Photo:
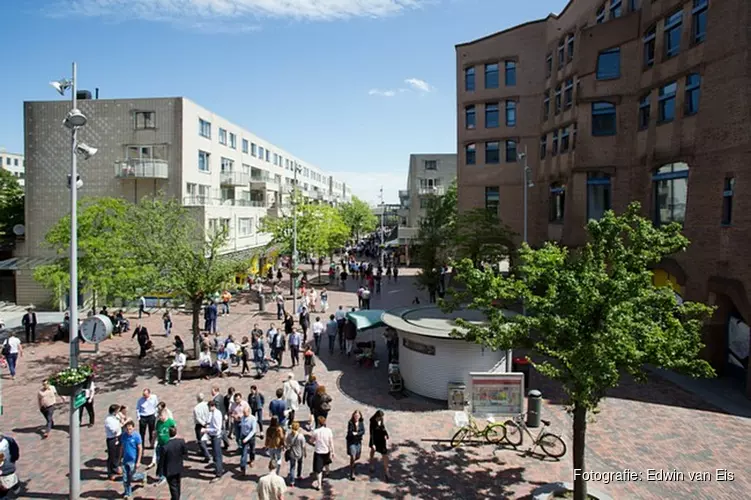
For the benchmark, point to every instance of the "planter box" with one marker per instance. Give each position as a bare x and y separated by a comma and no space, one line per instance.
69,390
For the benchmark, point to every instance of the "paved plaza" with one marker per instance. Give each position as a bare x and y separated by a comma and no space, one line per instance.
657,425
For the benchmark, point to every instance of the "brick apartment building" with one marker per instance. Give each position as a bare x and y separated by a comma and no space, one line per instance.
615,101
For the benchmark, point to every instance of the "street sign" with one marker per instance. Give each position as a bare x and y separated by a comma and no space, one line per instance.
79,400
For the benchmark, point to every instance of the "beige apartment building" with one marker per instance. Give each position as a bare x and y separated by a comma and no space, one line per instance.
229,176
615,101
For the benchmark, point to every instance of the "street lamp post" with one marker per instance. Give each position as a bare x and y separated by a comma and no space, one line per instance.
293,275
526,184
383,212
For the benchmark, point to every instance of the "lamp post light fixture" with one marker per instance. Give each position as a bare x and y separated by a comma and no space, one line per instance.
526,184
293,276
74,120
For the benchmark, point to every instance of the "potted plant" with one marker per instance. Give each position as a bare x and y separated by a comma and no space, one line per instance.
69,381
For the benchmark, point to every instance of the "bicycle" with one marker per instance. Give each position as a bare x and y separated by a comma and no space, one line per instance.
552,445
493,432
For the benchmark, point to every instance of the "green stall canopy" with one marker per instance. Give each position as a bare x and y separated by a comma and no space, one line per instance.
366,319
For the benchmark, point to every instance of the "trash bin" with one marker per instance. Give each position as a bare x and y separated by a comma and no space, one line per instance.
261,302
534,408
521,365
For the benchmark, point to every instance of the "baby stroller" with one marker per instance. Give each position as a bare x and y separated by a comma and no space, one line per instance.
396,382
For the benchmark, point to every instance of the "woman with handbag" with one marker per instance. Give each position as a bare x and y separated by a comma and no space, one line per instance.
275,442
47,398
295,452
355,432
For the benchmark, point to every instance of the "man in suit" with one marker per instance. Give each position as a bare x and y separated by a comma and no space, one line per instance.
29,322
171,462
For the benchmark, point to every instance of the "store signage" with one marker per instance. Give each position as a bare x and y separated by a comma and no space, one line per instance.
418,347
497,393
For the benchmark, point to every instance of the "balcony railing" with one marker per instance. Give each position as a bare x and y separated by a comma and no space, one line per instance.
232,178
141,169
264,182
436,190
200,201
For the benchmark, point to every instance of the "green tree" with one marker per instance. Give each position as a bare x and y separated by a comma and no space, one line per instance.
435,236
11,203
480,236
592,314
358,216
107,264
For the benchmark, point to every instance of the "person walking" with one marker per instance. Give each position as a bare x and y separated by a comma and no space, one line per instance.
167,319
236,413
10,453
323,455
12,350
226,297
47,399
295,452
292,396
332,327
256,402
271,486
378,443
350,335
246,432
171,464
142,307
29,322
279,306
355,433
211,316
112,432
201,415
324,300
278,407
214,432
321,403
144,340
309,392
304,321
245,348
396,274
318,328
341,319
88,404
131,452
309,361
274,442
146,410
295,340
365,298
164,424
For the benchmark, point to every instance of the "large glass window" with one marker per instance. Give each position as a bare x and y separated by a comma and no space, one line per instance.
492,198
666,100
693,89
670,193
727,201
491,76
649,47
603,119
470,154
469,117
491,115
644,105
510,113
598,195
557,203
699,20
609,64
510,151
672,29
510,68
469,78
492,152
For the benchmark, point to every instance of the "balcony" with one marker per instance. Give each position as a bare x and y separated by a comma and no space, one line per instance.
428,190
208,201
141,169
264,183
234,178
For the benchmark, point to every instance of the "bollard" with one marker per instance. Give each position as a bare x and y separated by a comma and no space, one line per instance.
261,302
534,408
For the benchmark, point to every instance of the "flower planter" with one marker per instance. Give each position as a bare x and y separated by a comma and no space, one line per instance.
69,390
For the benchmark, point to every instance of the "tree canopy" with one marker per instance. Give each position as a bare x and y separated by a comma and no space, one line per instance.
480,236
11,203
435,235
591,314
358,217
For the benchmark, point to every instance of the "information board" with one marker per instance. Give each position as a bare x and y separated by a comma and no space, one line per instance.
497,393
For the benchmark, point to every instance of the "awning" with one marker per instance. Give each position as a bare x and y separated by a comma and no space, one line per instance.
17,263
366,319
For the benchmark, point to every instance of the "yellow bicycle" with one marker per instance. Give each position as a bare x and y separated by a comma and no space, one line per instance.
493,432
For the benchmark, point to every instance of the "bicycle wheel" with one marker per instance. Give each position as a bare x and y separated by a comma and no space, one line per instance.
552,445
459,437
495,433
514,434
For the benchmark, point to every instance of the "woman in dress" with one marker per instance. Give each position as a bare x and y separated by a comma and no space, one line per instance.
379,437
355,432
323,440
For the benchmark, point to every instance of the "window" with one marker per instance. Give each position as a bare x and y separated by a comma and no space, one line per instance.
15,162
601,14
470,154
491,115
469,79
603,119
260,152
244,226
672,29
491,76
557,203
203,161
644,105
558,99
649,47
510,113
145,119
633,5
543,146
492,154
204,128
554,149
222,136
616,9
598,195
510,151
546,105
548,65
492,199
564,140
568,93
609,64
727,200
469,117
510,73
561,52
693,89
227,165
699,21
232,140
666,103
670,193
268,155
570,47
431,164
246,146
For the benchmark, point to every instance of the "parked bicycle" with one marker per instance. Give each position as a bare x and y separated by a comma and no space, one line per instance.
493,432
552,445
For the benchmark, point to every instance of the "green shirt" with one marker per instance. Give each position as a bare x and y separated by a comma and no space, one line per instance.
162,430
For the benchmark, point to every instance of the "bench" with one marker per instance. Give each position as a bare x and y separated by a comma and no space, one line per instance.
191,371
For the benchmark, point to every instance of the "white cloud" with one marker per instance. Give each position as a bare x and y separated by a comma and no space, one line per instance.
382,93
366,185
178,11
419,85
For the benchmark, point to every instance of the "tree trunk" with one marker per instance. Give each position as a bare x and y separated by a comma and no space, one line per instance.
197,302
580,433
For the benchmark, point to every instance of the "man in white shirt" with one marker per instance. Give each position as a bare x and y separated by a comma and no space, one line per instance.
318,328
271,486
178,364
214,430
365,298
231,349
200,421
14,350
146,414
112,431
292,396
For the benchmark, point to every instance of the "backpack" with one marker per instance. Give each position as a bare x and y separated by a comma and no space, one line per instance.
6,348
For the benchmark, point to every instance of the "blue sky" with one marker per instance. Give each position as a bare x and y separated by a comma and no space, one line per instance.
352,86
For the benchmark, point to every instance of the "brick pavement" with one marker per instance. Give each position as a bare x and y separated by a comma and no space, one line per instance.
656,425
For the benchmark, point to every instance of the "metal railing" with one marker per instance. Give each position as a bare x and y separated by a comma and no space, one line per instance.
436,190
201,201
233,178
142,169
